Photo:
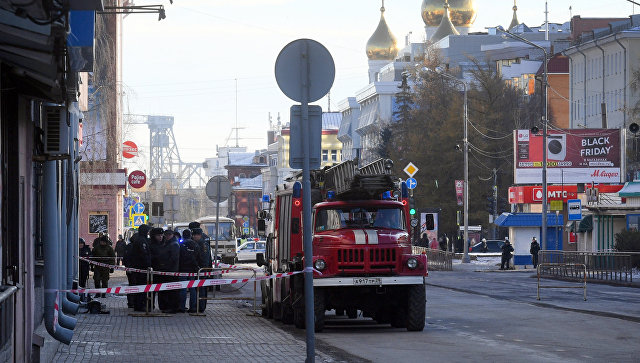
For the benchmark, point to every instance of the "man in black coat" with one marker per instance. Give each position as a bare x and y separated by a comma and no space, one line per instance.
190,261
83,272
506,253
205,259
535,248
138,255
167,258
121,245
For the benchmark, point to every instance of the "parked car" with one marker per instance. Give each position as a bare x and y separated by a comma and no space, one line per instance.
248,250
493,245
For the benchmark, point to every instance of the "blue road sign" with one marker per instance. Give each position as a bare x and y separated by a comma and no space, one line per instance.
574,206
138,220
412,183
138,208
245,224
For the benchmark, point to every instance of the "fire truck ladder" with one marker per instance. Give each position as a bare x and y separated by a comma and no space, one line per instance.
351,182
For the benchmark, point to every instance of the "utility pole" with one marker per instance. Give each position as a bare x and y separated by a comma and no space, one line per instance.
495,201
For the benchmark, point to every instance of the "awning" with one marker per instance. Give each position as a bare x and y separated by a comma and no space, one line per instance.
586,224
528,220
630,189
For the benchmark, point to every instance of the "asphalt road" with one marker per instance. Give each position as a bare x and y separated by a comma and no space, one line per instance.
493,316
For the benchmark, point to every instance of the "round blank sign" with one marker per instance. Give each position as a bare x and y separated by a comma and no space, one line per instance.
290,66
212,188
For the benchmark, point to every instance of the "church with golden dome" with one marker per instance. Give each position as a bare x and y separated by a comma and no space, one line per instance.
447,27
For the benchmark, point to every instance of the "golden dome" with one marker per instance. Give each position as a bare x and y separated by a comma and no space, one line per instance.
461,12
382,44
445,28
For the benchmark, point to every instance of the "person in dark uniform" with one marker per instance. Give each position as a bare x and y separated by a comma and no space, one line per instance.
169,261
155,247
190,261
506,253
205,260
83,271
121,245
138,256
535,248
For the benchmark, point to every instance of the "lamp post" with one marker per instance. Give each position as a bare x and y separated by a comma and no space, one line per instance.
465,141
544,131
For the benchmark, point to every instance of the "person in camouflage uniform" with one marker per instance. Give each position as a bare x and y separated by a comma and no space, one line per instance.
104,254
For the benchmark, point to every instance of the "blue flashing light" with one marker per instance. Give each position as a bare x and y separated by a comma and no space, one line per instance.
266,198
297,189
405,190
331,194
386,195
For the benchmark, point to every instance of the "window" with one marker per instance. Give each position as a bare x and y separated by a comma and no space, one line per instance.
334,155
325,155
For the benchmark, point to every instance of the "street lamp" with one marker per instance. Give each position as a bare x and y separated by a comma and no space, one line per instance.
465,140
545,120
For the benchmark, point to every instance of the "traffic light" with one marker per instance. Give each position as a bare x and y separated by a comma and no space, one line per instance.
490,204
412,206
503,205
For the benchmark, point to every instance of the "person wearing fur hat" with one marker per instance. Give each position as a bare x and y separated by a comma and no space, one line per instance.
205,258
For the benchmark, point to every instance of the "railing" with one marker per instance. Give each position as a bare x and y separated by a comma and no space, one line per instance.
437,260
6,321
606,266
574,267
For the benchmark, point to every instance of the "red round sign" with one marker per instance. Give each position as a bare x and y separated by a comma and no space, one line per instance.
129,149
137,179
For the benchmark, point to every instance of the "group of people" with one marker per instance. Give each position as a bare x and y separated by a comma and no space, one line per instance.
507,249
156,249
167,251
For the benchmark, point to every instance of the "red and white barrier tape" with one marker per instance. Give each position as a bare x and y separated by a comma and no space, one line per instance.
176,285
56,307
229,268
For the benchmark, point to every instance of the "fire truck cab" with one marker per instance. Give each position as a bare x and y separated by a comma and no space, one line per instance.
361,249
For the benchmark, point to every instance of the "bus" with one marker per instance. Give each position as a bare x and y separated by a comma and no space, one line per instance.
226,233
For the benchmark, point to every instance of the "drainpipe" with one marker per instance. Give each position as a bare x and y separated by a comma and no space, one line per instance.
603,106
624,90
72,238
51,257
67,306
73,298
584,85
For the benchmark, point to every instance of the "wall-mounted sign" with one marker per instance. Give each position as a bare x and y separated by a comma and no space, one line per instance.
98,222
129,149
574,207
533,194
137,179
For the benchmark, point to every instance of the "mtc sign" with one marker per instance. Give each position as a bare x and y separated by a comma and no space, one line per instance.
533,194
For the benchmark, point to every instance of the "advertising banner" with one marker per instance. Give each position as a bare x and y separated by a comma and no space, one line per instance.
431,233
573,156
459,191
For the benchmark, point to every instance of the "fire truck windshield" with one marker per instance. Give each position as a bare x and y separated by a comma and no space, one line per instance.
359,217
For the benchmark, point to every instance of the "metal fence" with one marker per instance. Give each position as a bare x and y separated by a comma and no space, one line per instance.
437,260
604,266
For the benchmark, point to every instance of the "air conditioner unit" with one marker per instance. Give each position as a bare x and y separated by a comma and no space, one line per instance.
56,131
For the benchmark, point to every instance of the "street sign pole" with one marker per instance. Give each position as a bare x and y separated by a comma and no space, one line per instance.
306,206
215,254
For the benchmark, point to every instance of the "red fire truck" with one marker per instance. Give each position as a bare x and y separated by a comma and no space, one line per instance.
361,246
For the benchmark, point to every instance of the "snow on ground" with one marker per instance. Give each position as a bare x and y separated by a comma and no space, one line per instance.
635,274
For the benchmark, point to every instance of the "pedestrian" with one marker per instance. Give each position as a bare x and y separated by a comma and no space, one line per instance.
83,270
137,255
205,260
168,260
155,249
434,244
485,248
105,254
442,243
190,261
120,247
535,248
96,241
506,253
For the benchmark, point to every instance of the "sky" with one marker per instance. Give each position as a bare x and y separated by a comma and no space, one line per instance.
208,56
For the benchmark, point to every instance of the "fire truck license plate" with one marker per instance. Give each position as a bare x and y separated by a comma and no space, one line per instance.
367,281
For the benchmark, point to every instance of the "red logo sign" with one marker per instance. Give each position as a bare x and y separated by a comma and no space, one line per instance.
129,149
137,179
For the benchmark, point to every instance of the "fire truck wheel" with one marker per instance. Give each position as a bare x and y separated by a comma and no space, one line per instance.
352,313
416,308
298,317
318,309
